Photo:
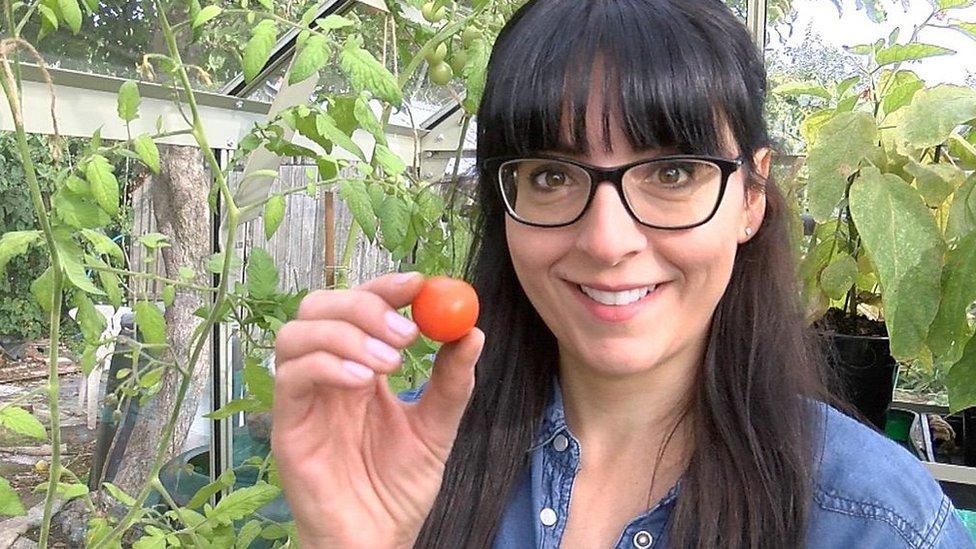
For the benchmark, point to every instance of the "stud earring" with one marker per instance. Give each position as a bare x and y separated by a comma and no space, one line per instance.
748,231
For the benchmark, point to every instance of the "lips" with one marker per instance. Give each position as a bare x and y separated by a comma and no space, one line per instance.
615,313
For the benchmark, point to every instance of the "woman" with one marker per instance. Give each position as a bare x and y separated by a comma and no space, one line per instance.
645,380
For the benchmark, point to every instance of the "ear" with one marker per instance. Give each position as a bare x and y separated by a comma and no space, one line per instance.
754,203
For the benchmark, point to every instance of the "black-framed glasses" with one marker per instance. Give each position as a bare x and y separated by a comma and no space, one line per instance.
668,192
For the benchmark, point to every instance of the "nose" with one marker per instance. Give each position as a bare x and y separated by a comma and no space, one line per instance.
607,231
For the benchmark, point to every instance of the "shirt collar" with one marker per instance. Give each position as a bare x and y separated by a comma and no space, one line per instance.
553,417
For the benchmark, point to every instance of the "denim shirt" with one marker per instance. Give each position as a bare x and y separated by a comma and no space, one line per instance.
869,493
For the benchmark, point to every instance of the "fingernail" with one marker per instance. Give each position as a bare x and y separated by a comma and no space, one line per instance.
400,324
357,370
382,351
403,278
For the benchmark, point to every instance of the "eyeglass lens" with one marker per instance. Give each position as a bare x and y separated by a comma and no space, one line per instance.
666,193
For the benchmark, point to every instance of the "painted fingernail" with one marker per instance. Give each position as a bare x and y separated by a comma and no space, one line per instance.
357,370
382,351
403,278
400,324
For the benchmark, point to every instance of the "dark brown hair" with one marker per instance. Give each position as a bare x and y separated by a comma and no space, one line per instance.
680,71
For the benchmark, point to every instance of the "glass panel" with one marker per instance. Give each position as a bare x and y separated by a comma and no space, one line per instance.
811,42
113,43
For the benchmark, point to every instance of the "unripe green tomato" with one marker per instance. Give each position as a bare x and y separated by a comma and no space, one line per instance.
459,60
437,55
469,36
432,13
440,74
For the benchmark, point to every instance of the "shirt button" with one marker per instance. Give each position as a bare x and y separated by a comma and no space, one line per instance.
548,517
642,540
560,443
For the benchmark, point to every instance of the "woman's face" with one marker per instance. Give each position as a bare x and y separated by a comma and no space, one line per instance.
689,269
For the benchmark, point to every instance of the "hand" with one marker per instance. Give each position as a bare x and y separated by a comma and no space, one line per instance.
359,467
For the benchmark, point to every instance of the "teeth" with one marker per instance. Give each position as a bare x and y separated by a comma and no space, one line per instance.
617,298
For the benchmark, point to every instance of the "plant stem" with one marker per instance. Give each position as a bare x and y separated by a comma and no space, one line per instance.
342,276
233,216
179,511
54,332
150,276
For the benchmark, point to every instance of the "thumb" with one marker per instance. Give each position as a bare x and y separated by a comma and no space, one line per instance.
449,390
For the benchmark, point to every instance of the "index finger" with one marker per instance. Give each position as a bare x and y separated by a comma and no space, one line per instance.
396,289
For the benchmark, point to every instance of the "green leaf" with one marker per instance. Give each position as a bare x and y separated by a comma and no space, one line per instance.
48,16
15,243
128,101
838,277
367,119
104,186
215,263
244,502
906,247
109,281
841,144
103,244
41,288
71,255
950,4
333,22
152,377
390,162
147,152
206,14
365,72
259,382
965,27
70,14
118,494
10,504
909,52
356,197
169,294
236,407
20,421
961,381
474,73
91,322
900,87
934,113
793,89
247,534
65,490
310,59
150,321
258,48
274,214
394,218
950,329
935,182
77,210
326,126
962,211
153,241
261,275
225,480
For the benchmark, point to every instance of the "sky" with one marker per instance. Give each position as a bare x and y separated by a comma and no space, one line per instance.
854,27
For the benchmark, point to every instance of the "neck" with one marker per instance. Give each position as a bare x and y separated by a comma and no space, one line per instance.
615,416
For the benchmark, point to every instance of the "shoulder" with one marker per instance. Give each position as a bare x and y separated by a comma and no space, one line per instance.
871,491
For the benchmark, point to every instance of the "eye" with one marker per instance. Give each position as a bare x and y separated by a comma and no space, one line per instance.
550,177
672,175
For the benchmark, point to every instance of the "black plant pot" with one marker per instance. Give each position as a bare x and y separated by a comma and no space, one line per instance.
865,371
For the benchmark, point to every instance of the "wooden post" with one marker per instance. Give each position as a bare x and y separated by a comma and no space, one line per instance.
328,239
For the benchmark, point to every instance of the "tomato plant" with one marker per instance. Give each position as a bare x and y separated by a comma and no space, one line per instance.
445,308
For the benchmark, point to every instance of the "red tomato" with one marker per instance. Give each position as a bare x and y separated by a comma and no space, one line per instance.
445,309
